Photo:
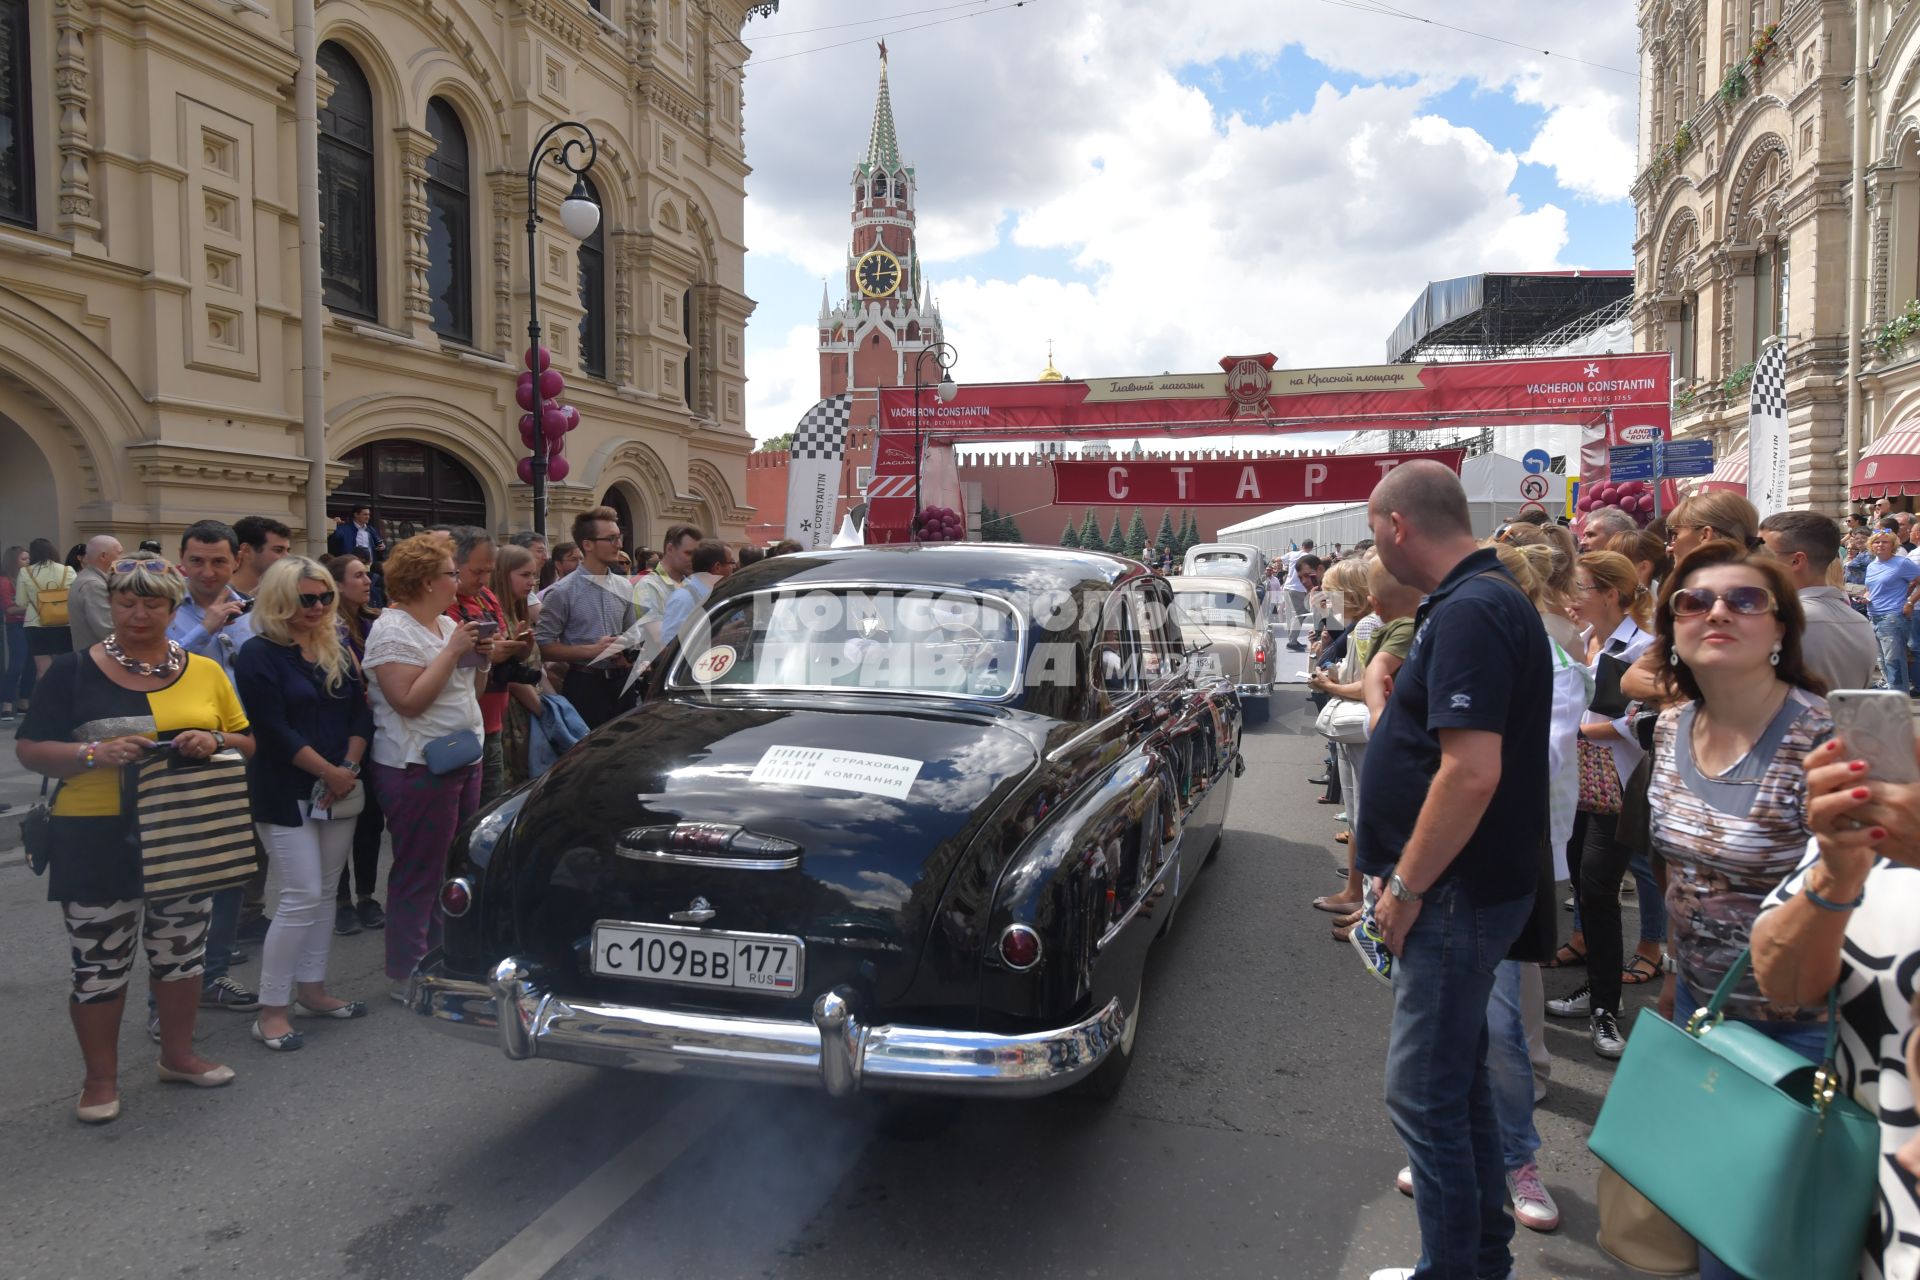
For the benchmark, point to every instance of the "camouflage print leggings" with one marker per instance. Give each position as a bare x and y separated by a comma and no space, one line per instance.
103,933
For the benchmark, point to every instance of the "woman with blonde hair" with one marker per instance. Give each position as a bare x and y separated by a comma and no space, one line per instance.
1712,515
1551,553
1345,584
310,712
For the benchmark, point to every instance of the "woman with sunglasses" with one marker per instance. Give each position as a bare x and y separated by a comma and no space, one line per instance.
96,713
310,711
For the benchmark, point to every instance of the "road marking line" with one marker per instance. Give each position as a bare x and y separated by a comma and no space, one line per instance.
578,1214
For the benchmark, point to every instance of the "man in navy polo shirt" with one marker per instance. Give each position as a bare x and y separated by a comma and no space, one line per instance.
1456,780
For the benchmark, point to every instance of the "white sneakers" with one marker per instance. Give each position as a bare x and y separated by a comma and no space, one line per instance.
1533,1206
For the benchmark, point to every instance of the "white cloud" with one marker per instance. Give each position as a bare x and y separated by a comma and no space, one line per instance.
1192,233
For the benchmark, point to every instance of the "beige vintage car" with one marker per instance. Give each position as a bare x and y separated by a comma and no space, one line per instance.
1222,617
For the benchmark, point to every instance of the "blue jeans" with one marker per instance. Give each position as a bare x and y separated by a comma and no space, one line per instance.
1892,632
220,934
1510,1068
1808,1039
1439,1090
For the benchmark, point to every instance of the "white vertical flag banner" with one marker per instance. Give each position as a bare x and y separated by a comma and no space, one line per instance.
1767,460
813,471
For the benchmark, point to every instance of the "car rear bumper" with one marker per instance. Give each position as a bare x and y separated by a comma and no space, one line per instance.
832,1049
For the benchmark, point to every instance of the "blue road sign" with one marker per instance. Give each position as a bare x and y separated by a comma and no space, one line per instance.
1632,462
1631,471
1693,466
1689,450
1536,461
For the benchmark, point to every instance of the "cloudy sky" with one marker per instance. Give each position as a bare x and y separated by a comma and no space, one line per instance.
1154,184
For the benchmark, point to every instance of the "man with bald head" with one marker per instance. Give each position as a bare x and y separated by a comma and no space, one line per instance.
89,613
1453,829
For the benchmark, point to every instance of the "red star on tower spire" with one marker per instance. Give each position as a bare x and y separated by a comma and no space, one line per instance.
883,51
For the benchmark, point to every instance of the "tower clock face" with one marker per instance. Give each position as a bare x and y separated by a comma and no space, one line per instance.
878,274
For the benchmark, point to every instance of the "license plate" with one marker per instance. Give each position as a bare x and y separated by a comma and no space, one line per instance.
763,962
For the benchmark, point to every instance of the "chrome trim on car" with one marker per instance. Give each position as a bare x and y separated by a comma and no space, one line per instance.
833,1048
1071,747
706,859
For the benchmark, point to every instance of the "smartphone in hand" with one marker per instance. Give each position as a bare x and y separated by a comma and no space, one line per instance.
476,657
1877,726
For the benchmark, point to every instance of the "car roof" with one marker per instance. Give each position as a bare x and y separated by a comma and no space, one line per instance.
984,566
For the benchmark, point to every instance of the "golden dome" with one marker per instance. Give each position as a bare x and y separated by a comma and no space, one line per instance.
1051,374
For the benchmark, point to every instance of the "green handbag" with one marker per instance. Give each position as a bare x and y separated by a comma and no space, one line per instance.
1743,1142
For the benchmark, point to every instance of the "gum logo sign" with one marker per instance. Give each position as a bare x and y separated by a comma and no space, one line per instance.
873,775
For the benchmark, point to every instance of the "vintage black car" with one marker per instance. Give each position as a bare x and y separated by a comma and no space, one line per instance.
890,818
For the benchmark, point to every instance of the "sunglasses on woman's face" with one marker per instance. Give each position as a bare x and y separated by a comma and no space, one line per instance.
151,566
1691,602
314,600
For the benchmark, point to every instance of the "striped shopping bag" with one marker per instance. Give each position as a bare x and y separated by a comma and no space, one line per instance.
193,822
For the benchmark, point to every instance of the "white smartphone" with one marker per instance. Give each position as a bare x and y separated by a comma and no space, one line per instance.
1877,726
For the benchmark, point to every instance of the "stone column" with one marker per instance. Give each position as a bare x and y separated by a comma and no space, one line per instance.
416,304
71,91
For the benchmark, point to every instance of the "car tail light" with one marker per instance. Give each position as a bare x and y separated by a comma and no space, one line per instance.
456,897
1019,947
1260,657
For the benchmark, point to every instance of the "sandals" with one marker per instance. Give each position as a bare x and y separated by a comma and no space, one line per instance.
1639,971
1567,957
1329,903
1343,837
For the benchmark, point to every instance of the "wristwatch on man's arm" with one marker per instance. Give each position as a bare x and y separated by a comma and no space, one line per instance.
1398,888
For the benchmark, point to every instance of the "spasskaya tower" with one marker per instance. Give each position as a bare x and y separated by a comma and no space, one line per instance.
887,315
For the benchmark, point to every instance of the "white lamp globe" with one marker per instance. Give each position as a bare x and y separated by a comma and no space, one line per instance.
947,390
578,213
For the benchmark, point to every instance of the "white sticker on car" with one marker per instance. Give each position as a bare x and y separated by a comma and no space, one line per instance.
713,664
869,774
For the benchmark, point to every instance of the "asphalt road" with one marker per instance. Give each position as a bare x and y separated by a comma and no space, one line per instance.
1249,1141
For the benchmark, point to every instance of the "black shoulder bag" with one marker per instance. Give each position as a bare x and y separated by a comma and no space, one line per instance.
36,832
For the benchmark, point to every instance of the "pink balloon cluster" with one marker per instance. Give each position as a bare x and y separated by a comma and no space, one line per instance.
940,524
1635,497
556,419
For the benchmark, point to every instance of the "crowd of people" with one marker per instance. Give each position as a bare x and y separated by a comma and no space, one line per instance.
1620,711
326,707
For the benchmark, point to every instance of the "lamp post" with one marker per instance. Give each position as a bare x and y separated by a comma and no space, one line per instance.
944,357
581,217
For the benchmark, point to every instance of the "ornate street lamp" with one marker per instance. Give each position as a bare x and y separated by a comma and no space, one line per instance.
945,390
581,217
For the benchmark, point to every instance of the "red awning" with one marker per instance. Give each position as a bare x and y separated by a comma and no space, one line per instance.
1730,474
1890,468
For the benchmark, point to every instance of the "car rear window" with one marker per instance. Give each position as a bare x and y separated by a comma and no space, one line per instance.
1216,608
896,641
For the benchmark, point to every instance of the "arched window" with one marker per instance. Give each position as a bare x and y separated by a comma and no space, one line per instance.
349,256
687,379
879,187
410,486
449,225
16,114
592,258
1769,295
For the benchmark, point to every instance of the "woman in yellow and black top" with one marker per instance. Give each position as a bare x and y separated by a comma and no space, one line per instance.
93,714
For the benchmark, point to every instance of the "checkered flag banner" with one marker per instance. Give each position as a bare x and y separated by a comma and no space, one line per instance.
1769,464
813,470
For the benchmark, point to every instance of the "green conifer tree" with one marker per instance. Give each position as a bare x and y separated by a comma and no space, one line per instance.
1010,530
1090,536
1166,539
1117,537
1070,536
1137,535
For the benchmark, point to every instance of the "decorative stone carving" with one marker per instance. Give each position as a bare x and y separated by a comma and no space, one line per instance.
414,146
1880,216
71,91
502,183
626,266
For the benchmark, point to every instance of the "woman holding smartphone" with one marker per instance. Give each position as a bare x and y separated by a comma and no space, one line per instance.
421,695
311,716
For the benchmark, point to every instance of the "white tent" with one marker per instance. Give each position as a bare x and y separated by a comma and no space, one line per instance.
1492,482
